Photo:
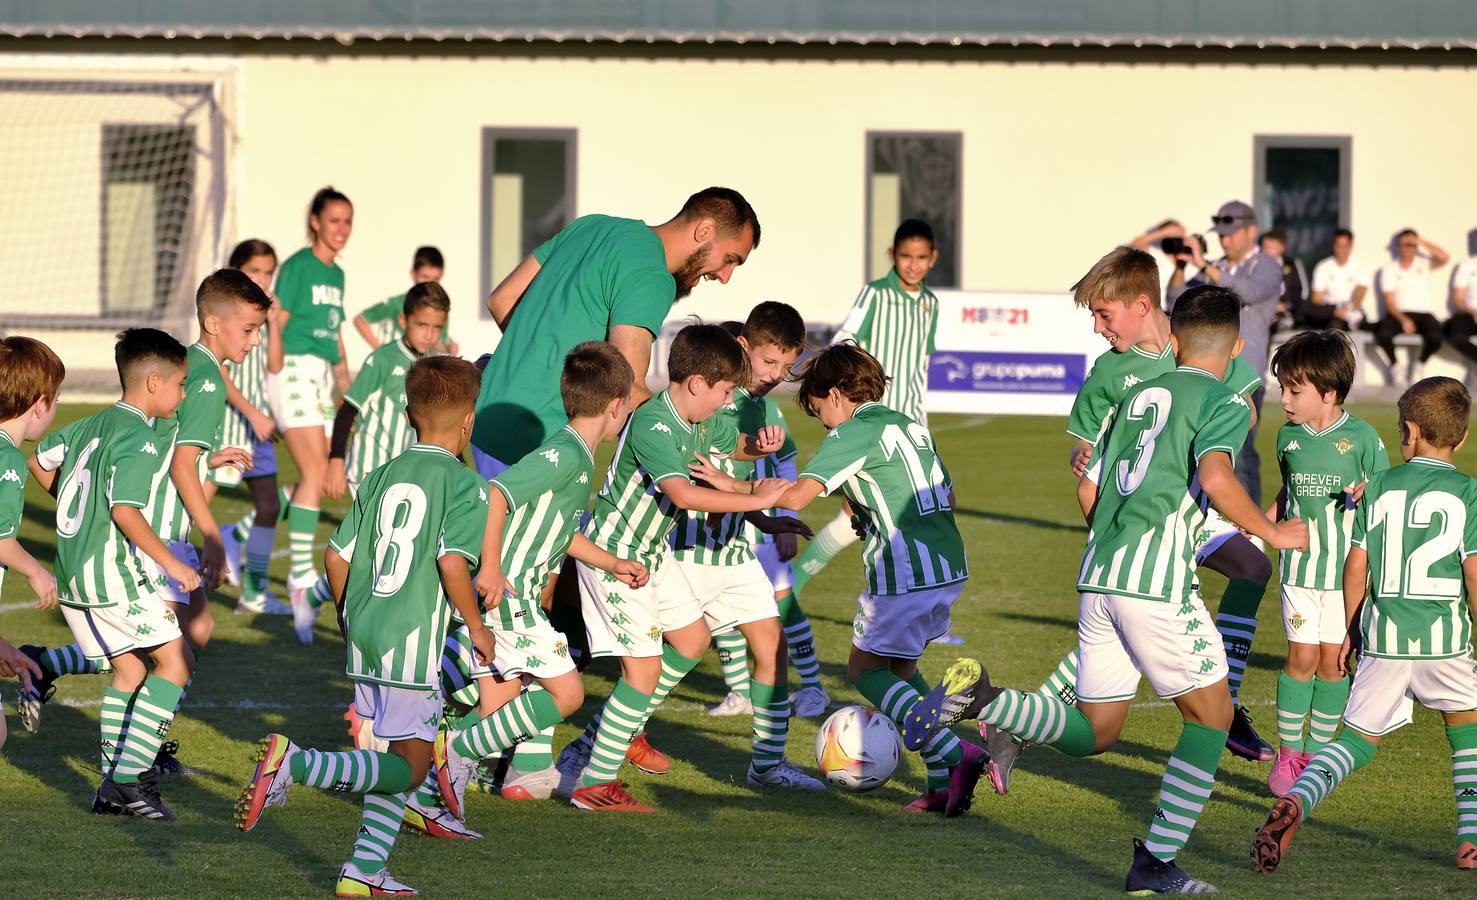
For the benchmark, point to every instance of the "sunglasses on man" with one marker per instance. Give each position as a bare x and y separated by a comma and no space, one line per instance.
1229,220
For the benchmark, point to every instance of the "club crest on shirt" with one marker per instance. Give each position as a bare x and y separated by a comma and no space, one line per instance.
1343,445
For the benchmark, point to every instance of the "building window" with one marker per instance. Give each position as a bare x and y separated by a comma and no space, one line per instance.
148,177
914,176
527,195
1302,187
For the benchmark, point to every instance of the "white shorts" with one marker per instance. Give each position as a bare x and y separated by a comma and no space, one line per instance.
1174,645
164,585
1385,691
531,646
1313,615
730,596
622,621
901,625
399,714
111,631
1213,533
781,574
301,395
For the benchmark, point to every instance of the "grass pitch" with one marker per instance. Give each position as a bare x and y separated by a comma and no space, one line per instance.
1064,830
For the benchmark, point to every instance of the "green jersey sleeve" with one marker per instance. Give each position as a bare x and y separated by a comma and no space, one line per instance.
345,536
12,492
1376,457
643,297
134,464
466,522
1092,405
933,321
289,287
201,412
858,322
723,436
385,309
656,449
543,251
528,478
1469,533
51,451
842,454
1227,421
1241,377
371,375
1358,535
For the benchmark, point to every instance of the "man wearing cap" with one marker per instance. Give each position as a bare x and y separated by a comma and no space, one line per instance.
1257,279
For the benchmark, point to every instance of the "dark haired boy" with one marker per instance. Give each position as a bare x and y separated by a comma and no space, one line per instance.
1326,457
384,322
1167,455
1410,579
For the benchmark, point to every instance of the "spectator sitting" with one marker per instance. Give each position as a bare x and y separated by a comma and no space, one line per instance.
1405,288
1461,327
1339,285
1294,279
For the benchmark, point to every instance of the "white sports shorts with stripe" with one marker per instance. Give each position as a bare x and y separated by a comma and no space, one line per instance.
901,625
399,714
781,574
112,631
730,595
623,621
1385,691
1215,531
1313,615
1174,645
524,642
301,395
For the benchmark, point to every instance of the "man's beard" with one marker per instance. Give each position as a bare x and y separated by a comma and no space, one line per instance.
691,272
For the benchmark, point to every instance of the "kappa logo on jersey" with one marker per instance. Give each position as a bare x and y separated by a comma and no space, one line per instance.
661,426
208,387
1237,400
1343,445
1130,380
10,475
552,455
584,478
1293,446
150,449
397,371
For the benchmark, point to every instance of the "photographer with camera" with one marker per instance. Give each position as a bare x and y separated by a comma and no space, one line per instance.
1162,242
1257,279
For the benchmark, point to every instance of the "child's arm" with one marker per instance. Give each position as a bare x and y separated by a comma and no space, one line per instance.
341,368
1278,509
1087,491
336,479
757,446
277,317
800,494
366,331
504,298
14,556
261,423
778,525
44,477
182,471
689,496
1218,479
1356,577
584,550
130,520
490,578
337,570
456,578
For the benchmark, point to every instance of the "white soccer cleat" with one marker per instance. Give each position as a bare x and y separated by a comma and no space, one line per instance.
809,702
785,775
537,784
304,615
571,765
453,773
735,704
438,823
263,604
234,554
354,883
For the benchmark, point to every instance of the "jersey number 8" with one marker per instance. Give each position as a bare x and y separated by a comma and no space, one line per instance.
402,512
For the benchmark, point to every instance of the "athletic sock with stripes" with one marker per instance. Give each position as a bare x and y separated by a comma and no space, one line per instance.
894,697
512,723
67,660
836,536
536,753
1236,622
1062,682
1041,719
771,723
350,771
675,667
149,719
1189,779
733,656
1463,740
379,825
1329,700
620,721
302,530
112,719
1331,765
258,553
1294,700
800,640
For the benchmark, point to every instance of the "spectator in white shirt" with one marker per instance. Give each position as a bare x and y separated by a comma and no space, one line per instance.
1405,287
1461,327
1339,285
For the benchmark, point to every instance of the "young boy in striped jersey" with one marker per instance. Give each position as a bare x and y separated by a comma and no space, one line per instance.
384,322
1411,581
374,411
102,471
889,469
715,557
1326,456
399,563
895,318
647,485
1167,454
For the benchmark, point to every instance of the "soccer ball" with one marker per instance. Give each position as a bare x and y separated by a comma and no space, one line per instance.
857,749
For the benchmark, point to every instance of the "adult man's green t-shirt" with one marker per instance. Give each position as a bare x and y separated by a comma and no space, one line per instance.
598,272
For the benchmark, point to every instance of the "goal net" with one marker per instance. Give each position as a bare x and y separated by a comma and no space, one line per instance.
114,201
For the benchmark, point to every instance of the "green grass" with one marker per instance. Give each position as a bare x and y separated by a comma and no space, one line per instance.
1065,829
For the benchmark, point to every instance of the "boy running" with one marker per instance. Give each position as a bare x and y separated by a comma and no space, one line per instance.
399,563
1166,456
1410,579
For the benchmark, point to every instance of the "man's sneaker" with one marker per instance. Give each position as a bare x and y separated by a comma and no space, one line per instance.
963,692
1152,875
141,798
1276,833
453,771
809,701
735,704
930,802
101,805
354,883
962,780
608,796
784,775
33,698
262,604
167,765
438,823
304,615
1284,771
646,757
1243,740
537,784
1466,855
571,765
1003,749
269,783
235,551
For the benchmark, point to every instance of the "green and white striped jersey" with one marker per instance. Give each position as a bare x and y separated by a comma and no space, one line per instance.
1418,523
1150,505
197,423
108,459
632,517
250,378
779,464
1316,467
546,490
886,465
723,540
899,329
384,320
381,432
1114,374
12,490
408,514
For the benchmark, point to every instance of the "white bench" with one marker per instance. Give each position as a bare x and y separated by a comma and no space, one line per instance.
1370,360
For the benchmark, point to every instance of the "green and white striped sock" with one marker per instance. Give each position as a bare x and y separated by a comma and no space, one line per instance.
620,721
350,771
112,719
1294,700
1189,779
771,723
733,656
536,753
428,795
241,528
258,553
1331,765
149,720
512,723
1062,682
379,825
67,660
1042,719
675,667
1329,700
1463,740
943,751
321,593
302,530
894,698
800,640
836,536
1235,619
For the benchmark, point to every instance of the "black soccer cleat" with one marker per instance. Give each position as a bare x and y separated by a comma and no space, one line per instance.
30,702
964,691
165,763
1152,875
102,806
1243,740
140,798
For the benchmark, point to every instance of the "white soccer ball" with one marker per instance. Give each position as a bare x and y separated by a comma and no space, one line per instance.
857,749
